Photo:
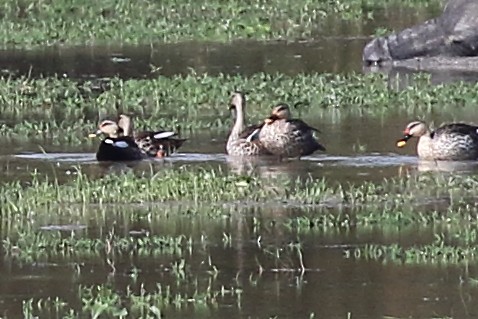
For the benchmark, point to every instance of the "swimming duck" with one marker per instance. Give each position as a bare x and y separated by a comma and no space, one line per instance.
252,132
115,147
153,143
286,137
243,141
456,141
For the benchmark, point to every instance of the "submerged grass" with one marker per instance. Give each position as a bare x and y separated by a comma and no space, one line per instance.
215,186
65,111
181,256
47,22
103,301
421,200
37,246
434,253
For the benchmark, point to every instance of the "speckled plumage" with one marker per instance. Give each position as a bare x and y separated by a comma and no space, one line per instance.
243,141
287,137
146,140
457,141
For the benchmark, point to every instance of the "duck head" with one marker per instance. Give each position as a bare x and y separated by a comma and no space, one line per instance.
279,112
107,127
413,129
238,101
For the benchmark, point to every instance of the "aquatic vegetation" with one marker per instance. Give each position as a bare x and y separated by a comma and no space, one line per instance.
44,109
29,246
426,254
166,185
101,300
73,22
135,245
215,186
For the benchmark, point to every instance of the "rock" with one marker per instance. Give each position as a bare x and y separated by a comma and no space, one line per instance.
453,34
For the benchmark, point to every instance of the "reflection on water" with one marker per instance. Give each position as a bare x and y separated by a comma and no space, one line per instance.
448,166
256,260
248,243
246,57
335,47
355,152
400,78
59,157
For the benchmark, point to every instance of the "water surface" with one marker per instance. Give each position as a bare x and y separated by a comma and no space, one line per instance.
257,261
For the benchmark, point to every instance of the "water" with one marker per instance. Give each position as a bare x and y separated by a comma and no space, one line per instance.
356,151
337,47
332,286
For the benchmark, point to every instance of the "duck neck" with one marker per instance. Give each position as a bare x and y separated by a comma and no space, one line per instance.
126,124
112,135
424,149
126,131
238,124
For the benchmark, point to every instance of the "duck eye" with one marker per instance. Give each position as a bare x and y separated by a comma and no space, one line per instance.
105,124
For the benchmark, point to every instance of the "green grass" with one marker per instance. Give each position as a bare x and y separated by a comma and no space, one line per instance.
186,215
29,23
420,200
189,184
434,253
100,301
63,111
395,201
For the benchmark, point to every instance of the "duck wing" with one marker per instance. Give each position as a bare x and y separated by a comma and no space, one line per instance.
251,133
119,149
155,135
301,125
153,141
457,128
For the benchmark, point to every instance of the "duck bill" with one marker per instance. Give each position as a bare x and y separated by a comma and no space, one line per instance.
95,134
271,119
403,141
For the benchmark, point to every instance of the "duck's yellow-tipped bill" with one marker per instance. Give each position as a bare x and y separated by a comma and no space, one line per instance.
401,143
95,134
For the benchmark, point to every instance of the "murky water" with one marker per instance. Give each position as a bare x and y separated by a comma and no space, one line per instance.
337,47
332,285
356,151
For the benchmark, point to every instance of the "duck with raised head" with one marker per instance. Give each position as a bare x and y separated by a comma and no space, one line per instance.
153,143
286,137
243,141
453,142
116,147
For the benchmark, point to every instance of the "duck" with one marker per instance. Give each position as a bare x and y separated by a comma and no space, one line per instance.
453,142
243,141
153,143
284,136
252,132
114,147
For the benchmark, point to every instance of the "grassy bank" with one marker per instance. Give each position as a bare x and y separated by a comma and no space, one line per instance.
47,108
47,22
